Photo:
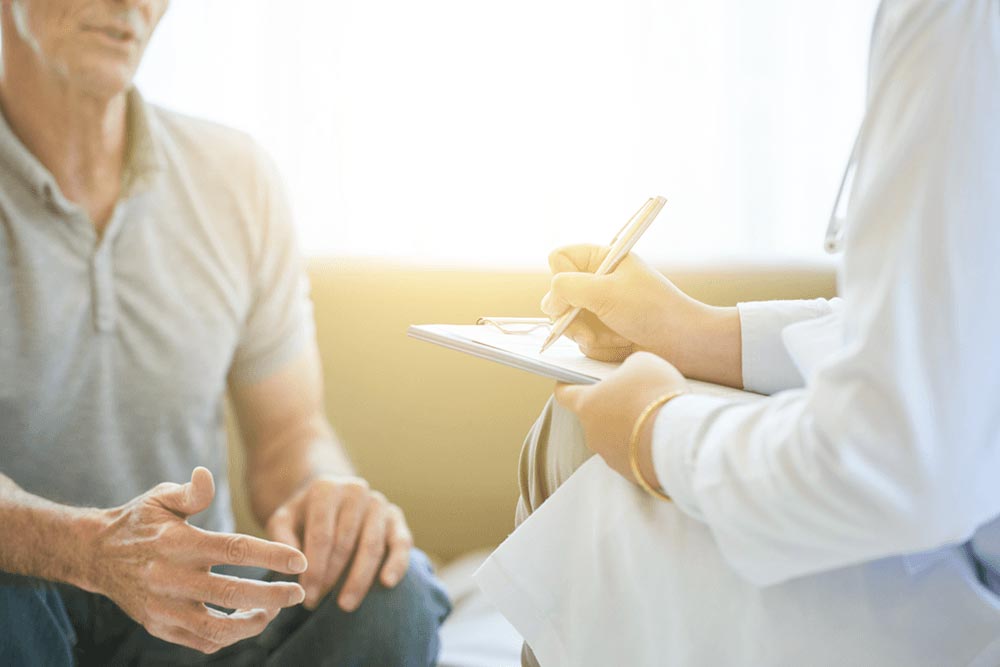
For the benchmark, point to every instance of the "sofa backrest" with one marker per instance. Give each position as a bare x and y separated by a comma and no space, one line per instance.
437,431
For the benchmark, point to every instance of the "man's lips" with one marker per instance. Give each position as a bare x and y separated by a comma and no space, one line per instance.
115,32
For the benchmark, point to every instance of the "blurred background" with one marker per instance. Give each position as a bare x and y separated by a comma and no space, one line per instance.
436,151
485,132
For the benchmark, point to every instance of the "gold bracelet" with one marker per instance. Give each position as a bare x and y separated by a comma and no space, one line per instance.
633,443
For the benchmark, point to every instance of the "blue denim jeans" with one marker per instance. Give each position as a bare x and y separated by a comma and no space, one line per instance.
46,624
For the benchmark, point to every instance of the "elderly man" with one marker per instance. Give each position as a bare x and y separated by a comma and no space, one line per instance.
147,265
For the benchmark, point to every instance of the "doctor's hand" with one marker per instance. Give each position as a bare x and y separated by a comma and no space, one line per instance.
609,409
635,308
632,308
338,521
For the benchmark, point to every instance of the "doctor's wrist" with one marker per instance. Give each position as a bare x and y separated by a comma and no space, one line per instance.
709,347
640,446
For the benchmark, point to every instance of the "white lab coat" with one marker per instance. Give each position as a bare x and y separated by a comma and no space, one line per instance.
836,521
893,445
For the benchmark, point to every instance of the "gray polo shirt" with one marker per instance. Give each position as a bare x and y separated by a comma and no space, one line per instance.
115,352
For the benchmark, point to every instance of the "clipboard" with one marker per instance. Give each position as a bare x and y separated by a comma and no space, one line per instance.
516,341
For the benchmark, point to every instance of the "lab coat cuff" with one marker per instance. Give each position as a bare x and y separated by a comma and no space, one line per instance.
675,446
767,366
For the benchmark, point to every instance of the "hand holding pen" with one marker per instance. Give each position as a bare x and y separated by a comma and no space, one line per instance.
620,247
636,308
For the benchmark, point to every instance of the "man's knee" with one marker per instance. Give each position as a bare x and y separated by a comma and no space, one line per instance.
553,449
397,626
36,629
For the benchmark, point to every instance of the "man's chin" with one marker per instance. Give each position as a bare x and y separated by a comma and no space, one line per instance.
104,82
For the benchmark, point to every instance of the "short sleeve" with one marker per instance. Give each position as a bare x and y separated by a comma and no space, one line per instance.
279,323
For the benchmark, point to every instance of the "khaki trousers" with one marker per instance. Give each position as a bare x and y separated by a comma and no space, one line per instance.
553,449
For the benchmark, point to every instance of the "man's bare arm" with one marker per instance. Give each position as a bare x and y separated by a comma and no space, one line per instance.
306,493
43,539
145,557
287,436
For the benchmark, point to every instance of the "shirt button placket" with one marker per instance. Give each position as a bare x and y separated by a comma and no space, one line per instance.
103,289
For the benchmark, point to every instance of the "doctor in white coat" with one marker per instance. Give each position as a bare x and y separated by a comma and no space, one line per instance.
851,516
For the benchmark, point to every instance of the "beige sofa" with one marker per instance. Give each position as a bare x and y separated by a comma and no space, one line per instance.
438,431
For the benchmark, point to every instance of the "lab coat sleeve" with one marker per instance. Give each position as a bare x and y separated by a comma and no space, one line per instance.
767,366
893,446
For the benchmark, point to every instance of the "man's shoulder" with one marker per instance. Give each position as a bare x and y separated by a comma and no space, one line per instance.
217,157
200,136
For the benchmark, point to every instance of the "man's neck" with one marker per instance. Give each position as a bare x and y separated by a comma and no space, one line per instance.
79,137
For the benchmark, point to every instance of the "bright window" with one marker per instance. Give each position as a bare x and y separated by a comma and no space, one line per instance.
489,132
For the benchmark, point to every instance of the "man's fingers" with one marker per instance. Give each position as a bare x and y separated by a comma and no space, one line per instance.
400,542
367,559
233,549
189,498
209,627
184,637
226,629
284,527
237,593
321,513
349,519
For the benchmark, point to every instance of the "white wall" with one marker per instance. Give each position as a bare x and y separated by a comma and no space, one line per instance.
491,131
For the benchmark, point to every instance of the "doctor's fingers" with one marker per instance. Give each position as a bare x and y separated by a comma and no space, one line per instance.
581,257
611,354
579,290
571,396
598,341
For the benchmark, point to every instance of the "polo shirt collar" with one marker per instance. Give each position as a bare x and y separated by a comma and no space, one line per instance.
144,156
21,162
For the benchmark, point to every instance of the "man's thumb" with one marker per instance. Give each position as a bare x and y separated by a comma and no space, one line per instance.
192,497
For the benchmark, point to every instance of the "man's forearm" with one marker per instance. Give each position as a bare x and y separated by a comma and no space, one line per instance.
276,470
43,539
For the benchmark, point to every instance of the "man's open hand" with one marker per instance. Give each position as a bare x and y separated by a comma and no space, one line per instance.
155,566
337,519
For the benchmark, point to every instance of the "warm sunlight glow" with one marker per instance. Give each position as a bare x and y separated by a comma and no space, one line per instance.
490,132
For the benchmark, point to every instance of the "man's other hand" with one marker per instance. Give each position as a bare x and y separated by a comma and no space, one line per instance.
156,566
338,519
